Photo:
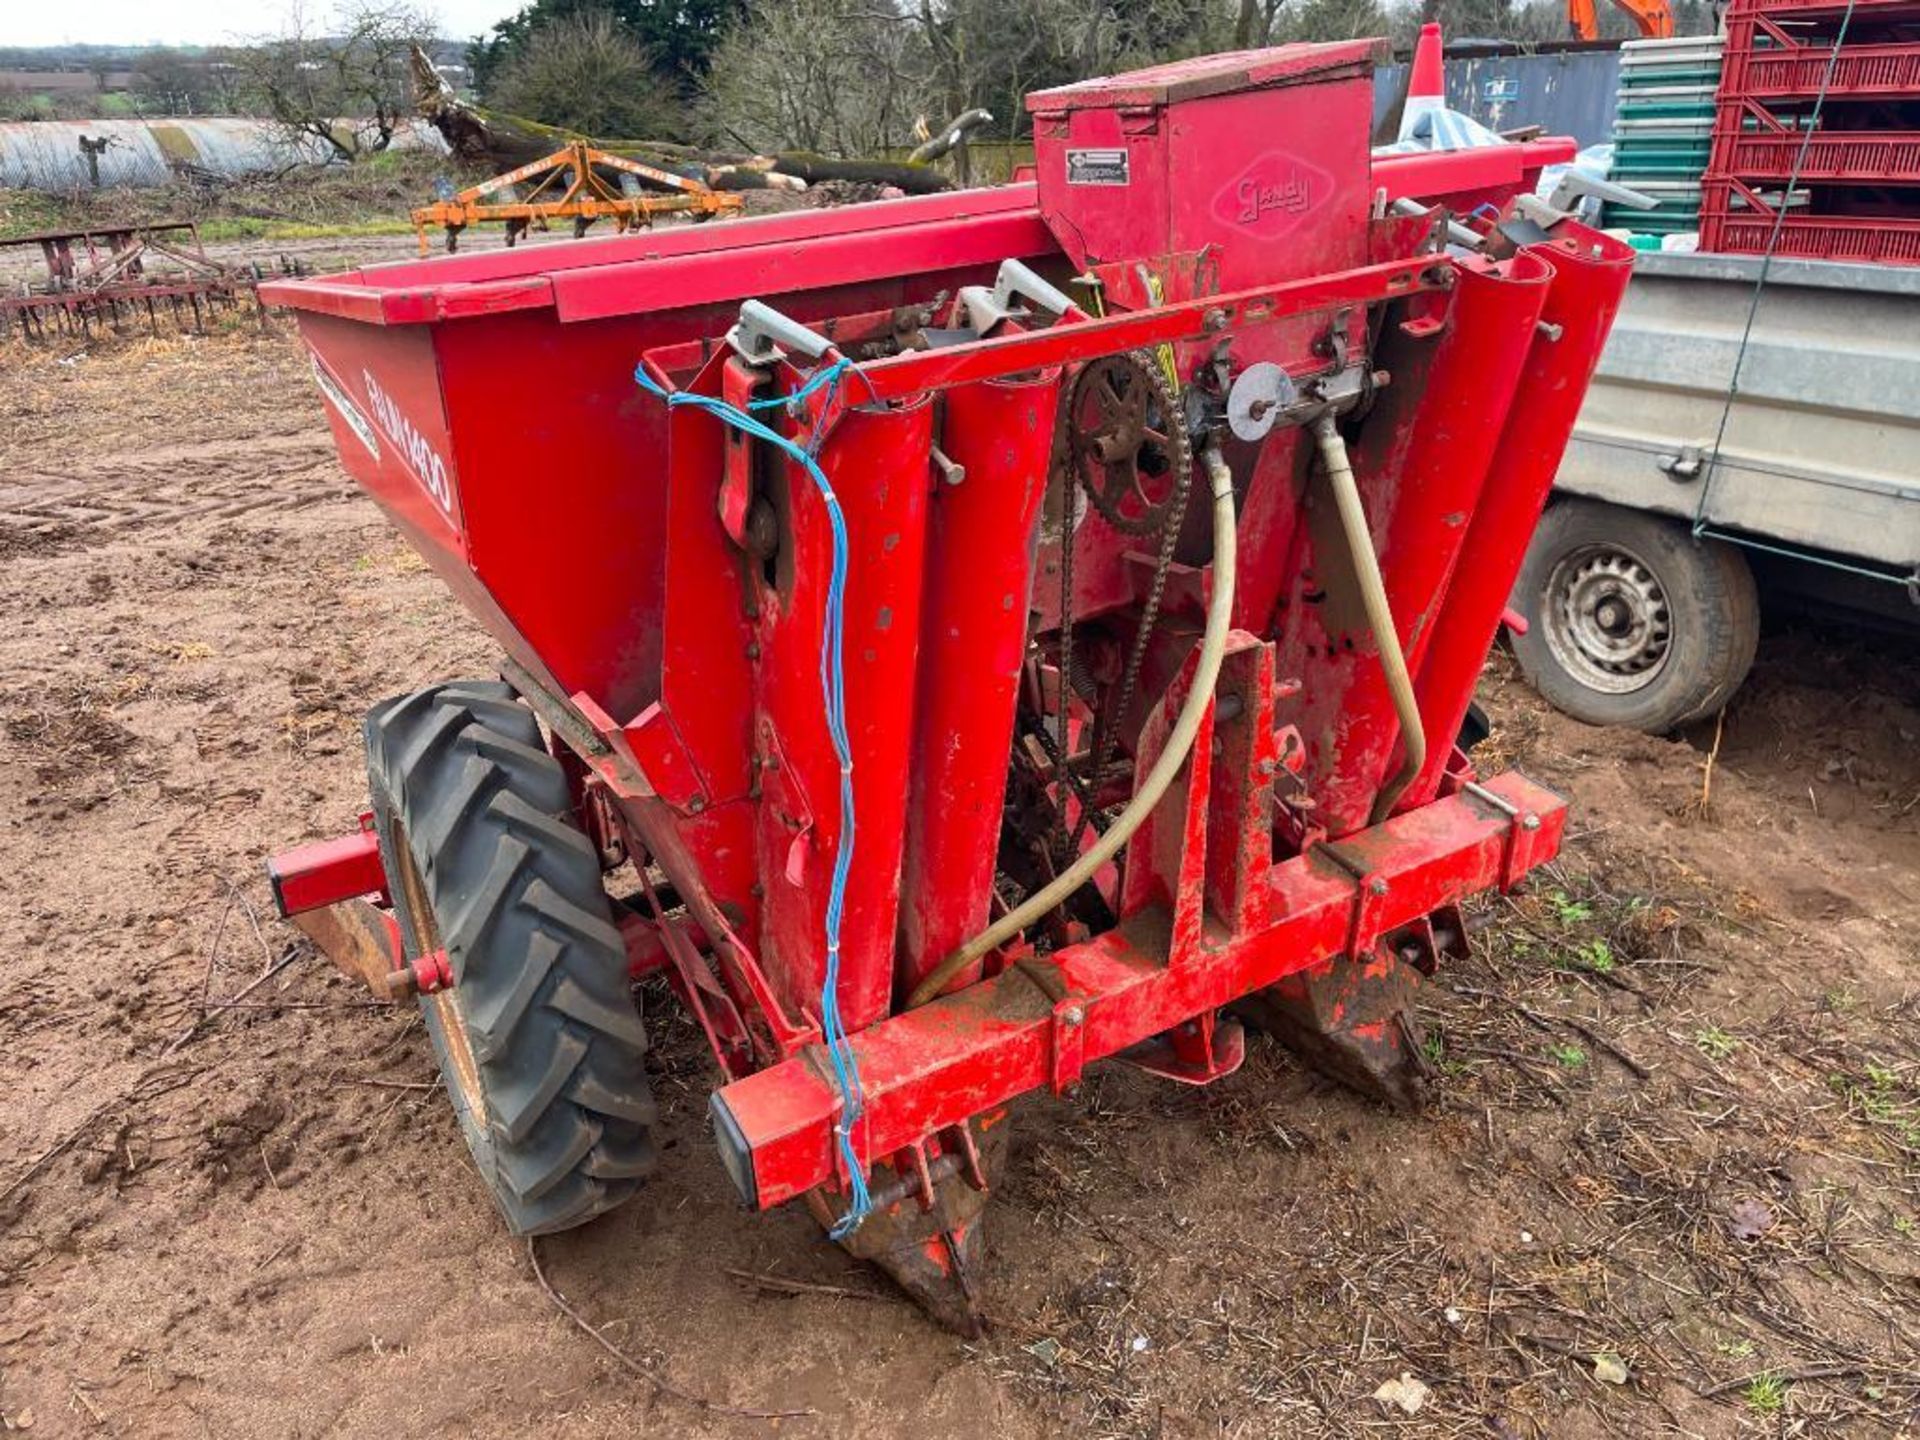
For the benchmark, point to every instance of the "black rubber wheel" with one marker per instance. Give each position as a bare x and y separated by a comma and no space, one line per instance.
539,1038
1631,620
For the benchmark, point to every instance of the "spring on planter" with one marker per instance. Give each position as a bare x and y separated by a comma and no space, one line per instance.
846,1068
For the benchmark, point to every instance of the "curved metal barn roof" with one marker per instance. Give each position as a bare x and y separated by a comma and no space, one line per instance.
46,154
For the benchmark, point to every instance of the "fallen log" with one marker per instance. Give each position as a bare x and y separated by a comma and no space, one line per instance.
503,142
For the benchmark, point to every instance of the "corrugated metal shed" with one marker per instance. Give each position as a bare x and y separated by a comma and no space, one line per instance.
1569,93
46,154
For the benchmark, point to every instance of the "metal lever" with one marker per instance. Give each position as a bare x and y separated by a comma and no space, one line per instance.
1016,280
985,309
1576,185
762,332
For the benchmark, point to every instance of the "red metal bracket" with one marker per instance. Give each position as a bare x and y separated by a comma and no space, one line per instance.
1066,1048
1368,892
311,877
1195,1052
1069,1045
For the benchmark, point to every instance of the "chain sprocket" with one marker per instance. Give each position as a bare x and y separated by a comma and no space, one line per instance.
1126,441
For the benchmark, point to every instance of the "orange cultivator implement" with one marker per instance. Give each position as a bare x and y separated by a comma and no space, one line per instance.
576,185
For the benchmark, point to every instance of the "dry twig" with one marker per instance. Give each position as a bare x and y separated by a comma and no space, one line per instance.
781,1285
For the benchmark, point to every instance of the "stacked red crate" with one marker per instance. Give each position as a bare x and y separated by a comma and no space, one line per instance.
1850,189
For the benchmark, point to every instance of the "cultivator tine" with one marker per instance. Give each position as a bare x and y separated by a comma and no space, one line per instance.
925,1230
938,1273
1351,1020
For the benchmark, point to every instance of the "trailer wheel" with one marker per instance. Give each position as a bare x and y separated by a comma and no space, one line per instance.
1631,620
539,1039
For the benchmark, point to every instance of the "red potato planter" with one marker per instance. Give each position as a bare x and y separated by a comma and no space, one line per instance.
975,636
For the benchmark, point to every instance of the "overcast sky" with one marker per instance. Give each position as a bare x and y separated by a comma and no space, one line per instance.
197,22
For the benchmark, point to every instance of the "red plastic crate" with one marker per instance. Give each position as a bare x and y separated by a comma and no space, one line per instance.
1861,157
1796,71
1864,11
1727,230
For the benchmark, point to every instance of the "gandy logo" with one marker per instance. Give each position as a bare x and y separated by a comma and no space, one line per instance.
1273,194
418,456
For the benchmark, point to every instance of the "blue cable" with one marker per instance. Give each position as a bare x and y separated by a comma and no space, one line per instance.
833,1030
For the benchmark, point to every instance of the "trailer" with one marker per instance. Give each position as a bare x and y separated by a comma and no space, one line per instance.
1753,429
955,641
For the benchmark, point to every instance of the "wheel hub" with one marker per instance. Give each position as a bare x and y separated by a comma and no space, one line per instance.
1608,621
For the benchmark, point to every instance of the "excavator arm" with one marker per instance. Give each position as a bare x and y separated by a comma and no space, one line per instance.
1653,18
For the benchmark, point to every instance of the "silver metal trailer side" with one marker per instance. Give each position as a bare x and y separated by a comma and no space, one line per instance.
1639,589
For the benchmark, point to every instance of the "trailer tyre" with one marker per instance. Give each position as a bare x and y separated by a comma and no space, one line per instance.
539,1039
1631,620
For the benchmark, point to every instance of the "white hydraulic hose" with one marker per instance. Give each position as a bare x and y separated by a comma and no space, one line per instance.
1373,597
1213,645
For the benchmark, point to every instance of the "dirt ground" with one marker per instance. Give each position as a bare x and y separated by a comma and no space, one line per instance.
1669,1189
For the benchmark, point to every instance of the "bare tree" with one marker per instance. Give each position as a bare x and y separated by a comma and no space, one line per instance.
835,76
1315,20
346,86
1254,25
173,82
853,76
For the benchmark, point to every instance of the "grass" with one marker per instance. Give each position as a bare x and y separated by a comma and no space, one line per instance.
1765,1394
1433,1045
1879,1095
1568,911
250,227
25,212
1715,1043
1597,956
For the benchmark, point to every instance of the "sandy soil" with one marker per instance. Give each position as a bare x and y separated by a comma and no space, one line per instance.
1680,1125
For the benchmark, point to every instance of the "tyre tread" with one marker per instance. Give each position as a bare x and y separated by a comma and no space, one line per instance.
540,969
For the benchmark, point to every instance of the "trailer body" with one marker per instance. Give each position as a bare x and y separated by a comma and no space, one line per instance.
1752,431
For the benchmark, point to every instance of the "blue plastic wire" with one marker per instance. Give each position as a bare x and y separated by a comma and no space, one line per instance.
833,1030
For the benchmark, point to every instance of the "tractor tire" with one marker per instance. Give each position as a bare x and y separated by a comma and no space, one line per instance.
539,1039
1631,619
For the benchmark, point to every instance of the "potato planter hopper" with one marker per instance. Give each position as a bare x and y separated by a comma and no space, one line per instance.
976,636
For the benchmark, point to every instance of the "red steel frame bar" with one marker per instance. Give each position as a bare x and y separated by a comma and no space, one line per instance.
921,370
1038,1024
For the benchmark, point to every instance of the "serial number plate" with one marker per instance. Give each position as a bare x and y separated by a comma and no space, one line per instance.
1097,167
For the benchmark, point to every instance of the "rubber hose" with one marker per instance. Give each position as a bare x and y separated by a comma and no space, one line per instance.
1213,645
1373,598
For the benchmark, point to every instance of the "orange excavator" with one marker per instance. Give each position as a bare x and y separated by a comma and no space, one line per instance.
1653,18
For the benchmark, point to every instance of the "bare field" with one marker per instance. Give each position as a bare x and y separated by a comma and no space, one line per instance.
1672,1186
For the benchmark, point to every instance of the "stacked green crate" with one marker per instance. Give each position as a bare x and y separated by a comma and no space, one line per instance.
1663,130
